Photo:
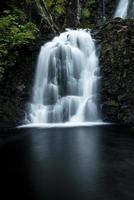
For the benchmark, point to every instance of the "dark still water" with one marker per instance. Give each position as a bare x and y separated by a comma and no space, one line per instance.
91,163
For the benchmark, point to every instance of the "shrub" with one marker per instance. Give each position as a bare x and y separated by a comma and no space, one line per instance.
15,32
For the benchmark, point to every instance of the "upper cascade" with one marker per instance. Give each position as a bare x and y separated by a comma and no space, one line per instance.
125,9
66,82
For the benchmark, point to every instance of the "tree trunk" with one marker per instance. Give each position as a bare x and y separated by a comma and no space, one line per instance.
45,14
72,12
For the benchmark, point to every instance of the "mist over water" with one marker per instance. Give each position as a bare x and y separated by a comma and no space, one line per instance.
66,82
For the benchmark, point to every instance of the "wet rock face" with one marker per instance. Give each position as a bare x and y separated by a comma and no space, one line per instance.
16,87
117,70
17,83
102,10
130,13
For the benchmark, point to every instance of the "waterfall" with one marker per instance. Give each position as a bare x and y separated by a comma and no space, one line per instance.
66,82
122,8
125,9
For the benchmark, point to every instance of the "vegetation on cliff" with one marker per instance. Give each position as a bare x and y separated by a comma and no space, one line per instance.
20,23
15,31
18,28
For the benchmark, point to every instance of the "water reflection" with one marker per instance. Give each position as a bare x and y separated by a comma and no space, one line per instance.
66,158
86,158
70,163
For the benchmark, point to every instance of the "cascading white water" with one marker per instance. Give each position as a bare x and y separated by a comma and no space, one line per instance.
122,9
125,9
66,81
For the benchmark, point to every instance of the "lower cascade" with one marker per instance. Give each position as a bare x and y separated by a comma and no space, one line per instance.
66,82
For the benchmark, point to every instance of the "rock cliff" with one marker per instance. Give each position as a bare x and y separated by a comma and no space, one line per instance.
117,70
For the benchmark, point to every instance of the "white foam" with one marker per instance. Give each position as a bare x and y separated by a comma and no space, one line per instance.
63,125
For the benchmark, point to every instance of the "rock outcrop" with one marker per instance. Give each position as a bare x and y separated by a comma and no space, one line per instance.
16,86
117,70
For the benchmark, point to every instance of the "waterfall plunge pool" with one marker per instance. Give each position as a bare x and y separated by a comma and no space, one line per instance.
78,163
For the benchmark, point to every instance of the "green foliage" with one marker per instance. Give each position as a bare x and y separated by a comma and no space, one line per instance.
86,13
15,32
55,7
